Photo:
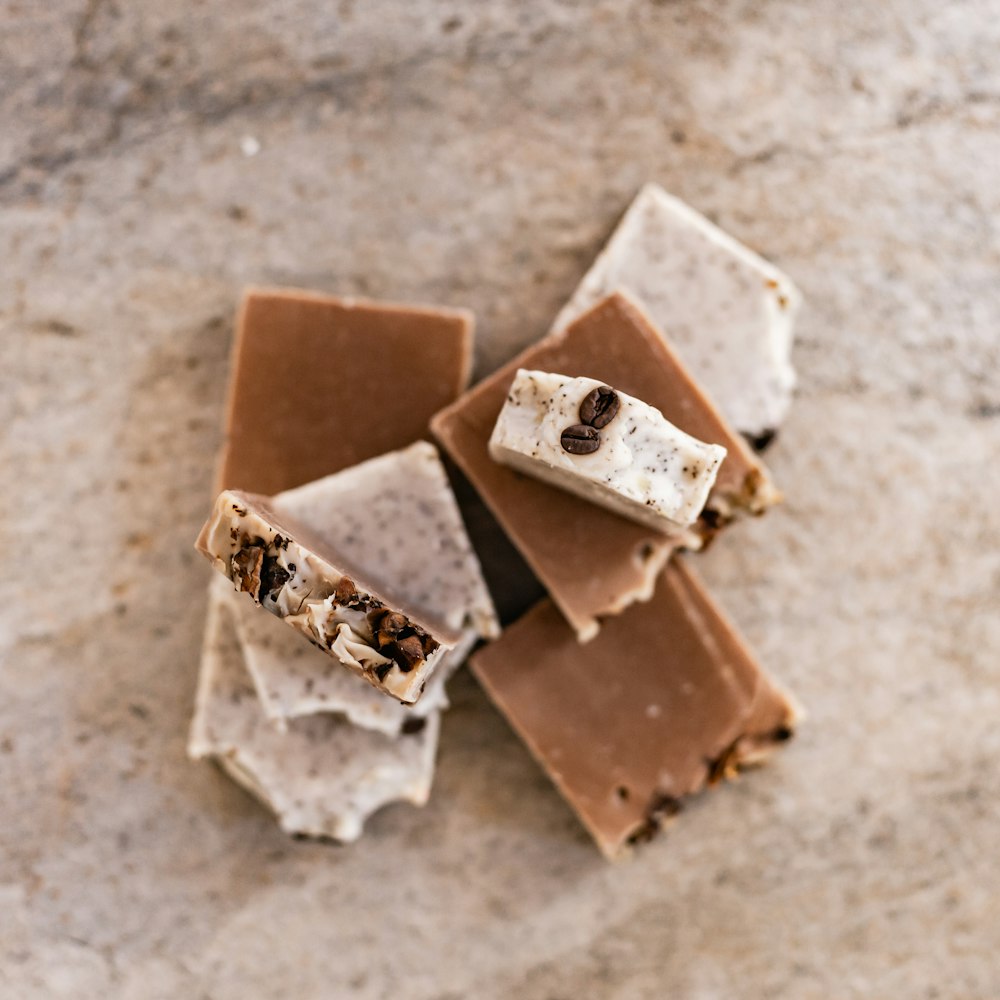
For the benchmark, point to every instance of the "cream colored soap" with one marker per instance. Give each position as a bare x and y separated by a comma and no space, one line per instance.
398,513
308,583
606,446
293,679
397,517
729,313
321,776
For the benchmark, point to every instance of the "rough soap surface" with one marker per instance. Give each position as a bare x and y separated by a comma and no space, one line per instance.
397,516
322,775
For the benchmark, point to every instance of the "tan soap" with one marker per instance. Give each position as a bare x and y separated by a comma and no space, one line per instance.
321,383
593,562
666,700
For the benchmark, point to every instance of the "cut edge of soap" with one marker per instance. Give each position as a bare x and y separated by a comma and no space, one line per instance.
409,688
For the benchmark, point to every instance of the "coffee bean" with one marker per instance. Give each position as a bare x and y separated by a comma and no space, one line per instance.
346,592
407,653
599,407
384,620
580,439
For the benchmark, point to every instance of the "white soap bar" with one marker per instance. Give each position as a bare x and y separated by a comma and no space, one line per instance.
310,585
606,446
397,514
322,776
729,313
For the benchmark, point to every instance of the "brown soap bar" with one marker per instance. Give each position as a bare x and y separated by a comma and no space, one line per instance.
593,562
666,700
319,383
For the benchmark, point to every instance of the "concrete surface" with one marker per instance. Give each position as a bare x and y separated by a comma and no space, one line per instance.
154,158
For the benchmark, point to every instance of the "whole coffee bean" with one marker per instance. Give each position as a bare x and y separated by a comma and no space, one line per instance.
599,407
580,439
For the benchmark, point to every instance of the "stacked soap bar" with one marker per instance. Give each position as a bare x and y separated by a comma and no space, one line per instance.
384,512
616,343
607,447
319,745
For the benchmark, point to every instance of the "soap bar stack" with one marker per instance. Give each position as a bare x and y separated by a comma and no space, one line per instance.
348,588
359,542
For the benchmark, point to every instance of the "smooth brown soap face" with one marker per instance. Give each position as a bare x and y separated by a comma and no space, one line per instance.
319,384
593,562
665,700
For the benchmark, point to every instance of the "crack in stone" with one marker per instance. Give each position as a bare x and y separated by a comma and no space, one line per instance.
931,112
81,33
188,100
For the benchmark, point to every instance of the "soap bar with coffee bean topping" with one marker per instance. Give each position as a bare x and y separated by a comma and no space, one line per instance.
297,575
592,562
605,446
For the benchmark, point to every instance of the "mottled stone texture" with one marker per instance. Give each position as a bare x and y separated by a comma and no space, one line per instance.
477,155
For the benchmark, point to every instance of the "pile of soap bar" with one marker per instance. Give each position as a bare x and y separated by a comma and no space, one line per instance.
609,452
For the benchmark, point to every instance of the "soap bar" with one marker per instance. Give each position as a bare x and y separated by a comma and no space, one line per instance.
605,446
321,776
398,516
592,562
666,700
297,575
321,383
728,312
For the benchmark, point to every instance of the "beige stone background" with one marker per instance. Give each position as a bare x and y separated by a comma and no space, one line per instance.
156,157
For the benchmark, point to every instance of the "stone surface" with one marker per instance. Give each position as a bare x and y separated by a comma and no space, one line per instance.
155,158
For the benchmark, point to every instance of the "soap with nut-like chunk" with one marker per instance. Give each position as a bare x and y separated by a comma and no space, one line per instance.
729,313
396,515
592,562
320,775
667,700
289,405
605,446
297,575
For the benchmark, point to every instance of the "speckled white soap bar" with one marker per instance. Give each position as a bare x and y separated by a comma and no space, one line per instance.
397,515
729,313
300,577
320,775
606,446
